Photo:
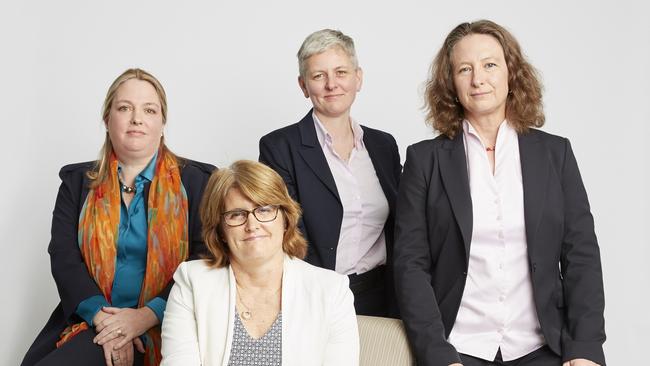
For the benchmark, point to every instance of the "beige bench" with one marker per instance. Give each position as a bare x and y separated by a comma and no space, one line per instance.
383,342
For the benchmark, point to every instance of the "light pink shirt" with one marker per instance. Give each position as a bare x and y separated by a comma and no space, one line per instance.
497,309
362,245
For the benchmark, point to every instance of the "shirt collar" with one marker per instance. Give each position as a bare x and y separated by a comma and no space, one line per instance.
505,131
324,137
147,173
150,170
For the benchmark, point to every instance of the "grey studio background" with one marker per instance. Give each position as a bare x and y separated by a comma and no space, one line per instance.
230,72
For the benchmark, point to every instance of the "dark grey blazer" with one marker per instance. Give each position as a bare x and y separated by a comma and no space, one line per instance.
295,153
433,236
68,267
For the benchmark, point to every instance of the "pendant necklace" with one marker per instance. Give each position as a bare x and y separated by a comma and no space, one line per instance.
247,314
124,187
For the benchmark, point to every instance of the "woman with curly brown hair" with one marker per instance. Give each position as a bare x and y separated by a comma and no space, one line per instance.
496,260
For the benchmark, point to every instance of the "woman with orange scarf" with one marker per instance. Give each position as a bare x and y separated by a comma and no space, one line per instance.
120,227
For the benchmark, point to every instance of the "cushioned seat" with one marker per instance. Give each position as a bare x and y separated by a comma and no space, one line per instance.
383,342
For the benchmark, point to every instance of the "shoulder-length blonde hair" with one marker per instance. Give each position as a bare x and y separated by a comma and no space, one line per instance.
263,186
524,104
100,170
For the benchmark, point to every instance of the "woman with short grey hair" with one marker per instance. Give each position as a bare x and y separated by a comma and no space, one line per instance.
343,174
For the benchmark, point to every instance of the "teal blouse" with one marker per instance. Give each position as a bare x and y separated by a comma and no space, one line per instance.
131,260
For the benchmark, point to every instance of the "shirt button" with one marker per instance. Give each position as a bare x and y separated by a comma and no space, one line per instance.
500,235
499,217
502,298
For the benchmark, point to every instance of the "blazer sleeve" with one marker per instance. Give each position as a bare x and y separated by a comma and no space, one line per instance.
195,181
397,164
582,281
71,276
180,344
343,342
417,301
389,231
271,155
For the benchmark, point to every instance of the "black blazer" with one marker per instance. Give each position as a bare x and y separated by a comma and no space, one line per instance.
73,281
295,153
433,236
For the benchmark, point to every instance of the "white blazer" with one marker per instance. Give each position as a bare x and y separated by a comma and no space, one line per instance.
319,325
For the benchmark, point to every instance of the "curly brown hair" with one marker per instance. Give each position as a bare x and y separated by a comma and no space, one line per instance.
524,104
263,186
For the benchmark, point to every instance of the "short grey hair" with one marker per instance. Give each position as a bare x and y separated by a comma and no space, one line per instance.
323,40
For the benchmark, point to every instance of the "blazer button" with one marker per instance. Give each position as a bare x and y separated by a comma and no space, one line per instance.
464,273
331,248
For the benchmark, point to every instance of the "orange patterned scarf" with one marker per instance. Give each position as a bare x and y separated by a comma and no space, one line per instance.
167,239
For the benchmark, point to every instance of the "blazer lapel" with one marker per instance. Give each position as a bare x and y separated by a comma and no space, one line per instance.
453,169
312,153
288,299
534,171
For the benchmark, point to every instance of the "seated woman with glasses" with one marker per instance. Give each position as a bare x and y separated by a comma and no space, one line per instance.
254,301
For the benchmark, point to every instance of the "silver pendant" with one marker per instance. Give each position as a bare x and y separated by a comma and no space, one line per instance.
246,315
127,189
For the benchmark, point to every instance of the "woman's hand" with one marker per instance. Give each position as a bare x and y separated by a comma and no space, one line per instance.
125,324
118,357
121,356
100,317
137,343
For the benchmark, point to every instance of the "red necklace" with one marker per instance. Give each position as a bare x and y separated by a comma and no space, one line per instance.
490,148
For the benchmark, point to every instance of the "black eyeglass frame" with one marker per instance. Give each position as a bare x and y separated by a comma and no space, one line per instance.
249,212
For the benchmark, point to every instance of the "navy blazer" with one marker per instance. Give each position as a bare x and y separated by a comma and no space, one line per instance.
433,236
295,153
73,281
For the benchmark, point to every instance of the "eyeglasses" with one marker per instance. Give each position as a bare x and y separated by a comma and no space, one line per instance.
262,214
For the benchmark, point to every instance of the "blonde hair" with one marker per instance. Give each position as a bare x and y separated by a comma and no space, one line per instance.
100,170
263,186
524,104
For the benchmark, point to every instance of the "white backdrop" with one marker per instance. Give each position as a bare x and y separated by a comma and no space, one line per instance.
230,72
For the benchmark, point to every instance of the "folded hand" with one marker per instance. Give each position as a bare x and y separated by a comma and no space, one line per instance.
124,323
